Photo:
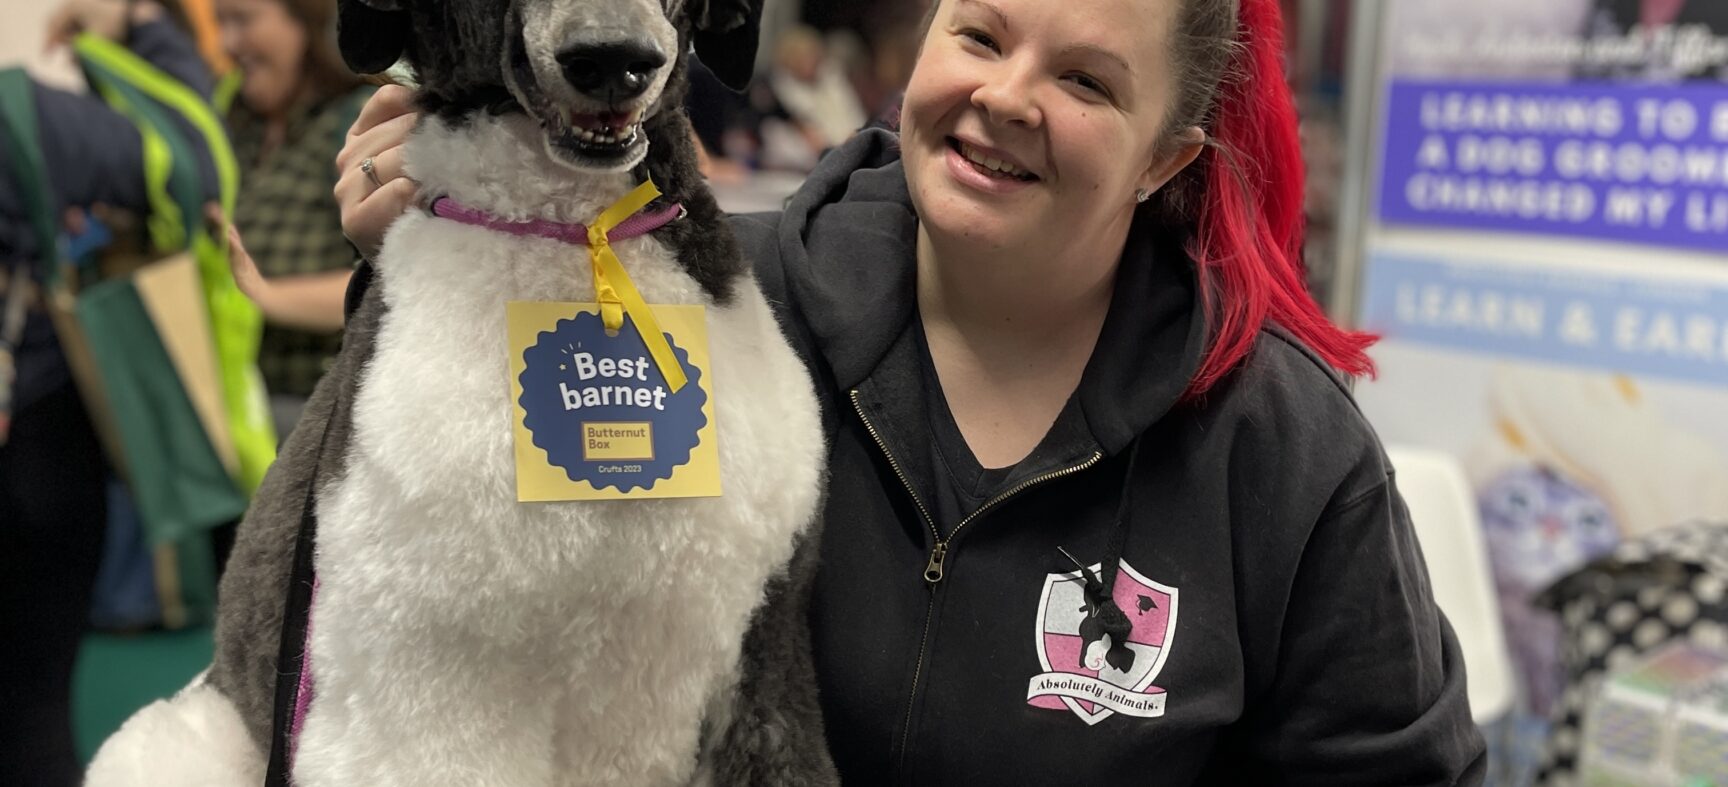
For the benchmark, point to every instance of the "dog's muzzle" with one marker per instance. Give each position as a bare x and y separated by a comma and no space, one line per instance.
612,72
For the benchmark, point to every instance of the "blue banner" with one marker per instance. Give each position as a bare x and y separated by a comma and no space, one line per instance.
1637,326
1634,163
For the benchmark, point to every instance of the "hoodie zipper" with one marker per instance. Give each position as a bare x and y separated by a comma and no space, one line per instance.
935,567
940,553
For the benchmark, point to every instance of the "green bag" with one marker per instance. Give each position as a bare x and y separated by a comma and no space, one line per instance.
173,472
150,97
179,482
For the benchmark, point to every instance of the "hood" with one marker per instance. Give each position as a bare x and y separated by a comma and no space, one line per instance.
847,243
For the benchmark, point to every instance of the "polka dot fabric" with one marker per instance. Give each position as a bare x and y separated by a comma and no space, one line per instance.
1664,588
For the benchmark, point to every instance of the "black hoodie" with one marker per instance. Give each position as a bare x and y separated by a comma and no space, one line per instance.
1280,626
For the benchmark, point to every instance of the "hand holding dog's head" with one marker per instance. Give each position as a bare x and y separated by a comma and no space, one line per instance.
590,71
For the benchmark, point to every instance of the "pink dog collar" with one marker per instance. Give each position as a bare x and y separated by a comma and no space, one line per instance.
637,225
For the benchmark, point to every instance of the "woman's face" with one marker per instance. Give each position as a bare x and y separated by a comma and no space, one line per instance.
269,45
1029,124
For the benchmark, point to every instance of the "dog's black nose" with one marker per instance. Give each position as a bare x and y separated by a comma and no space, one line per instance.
614,71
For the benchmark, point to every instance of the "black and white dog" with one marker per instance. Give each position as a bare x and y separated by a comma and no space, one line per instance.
456,636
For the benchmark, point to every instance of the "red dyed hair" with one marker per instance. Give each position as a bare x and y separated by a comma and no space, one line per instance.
1248,215
1243,197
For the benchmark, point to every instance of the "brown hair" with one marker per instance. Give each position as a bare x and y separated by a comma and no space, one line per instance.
327,76
1205,42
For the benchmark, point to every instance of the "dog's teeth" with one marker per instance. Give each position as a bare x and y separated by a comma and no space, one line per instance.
604,136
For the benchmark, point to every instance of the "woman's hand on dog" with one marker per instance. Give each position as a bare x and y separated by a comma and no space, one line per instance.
308,302
378,134
252,284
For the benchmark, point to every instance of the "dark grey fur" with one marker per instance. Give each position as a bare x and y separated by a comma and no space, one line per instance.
776,734
458,48
254,586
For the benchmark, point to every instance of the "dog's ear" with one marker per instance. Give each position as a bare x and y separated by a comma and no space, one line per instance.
727,33
372,34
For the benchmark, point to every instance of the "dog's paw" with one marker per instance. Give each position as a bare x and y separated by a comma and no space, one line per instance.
195,738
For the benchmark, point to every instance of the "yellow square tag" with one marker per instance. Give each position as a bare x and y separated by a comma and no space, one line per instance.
595,417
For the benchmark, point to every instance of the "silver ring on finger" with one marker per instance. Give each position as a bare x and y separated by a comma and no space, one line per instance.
371,171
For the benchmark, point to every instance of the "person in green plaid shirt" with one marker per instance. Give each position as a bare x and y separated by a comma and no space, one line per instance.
296,103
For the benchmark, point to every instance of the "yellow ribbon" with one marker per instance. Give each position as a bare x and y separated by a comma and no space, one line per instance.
618,296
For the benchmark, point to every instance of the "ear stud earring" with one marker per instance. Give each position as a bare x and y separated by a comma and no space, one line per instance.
1141,195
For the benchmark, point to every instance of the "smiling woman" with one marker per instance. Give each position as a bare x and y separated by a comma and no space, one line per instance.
1083,243
296,102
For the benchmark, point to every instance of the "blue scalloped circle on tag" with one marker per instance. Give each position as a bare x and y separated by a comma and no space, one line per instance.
600,408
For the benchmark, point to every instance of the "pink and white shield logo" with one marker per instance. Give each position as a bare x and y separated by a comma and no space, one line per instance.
1083,675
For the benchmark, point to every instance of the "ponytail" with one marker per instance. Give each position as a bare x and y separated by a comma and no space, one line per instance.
1248,214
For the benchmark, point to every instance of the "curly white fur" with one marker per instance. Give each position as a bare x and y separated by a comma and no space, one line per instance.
194,739
460,637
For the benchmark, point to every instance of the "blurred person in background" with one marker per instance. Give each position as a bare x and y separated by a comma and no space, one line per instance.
889,32
893,53
724,124
851,56
878,65
52,470
296,102
814,106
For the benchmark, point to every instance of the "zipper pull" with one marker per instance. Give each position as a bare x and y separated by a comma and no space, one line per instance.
933,569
